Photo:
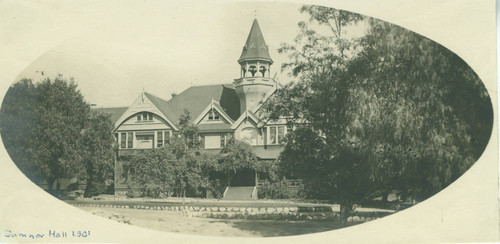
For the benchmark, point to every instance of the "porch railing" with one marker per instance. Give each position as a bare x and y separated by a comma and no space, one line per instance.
290,183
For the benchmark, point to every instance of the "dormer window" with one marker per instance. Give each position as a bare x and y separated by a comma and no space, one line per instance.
213,115
144,116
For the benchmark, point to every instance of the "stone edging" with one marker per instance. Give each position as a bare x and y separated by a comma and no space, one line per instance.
269,213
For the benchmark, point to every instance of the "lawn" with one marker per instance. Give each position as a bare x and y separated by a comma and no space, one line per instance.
175,221
159,214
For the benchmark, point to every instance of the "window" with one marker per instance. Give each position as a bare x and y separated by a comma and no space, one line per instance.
162,138
123,142
167,138
213,115
144,116
126,140
201,138
272,135
277,134
281,134
159,138
225,138
130,139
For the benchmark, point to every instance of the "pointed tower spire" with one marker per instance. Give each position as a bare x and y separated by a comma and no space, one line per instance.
255,48
255,82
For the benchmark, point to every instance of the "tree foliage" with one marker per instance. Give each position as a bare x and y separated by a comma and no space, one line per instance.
97,153
50,132
385,110
178,169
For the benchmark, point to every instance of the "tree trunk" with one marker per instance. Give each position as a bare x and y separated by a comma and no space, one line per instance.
345,212
404,195
385,196
89,188
50,182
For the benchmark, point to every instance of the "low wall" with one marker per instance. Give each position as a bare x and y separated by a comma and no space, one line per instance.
267,213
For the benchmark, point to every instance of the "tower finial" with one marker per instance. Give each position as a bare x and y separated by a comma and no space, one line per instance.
255,14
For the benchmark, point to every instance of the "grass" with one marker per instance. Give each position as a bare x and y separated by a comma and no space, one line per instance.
174,221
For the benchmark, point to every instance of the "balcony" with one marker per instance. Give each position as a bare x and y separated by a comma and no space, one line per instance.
254,80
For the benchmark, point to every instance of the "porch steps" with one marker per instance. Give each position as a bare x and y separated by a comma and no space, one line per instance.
239,193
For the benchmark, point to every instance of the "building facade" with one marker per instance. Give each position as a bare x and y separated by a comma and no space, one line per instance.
220,112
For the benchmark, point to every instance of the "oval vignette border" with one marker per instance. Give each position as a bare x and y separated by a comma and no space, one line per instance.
22,197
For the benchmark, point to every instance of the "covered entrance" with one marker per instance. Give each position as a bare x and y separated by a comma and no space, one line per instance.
243,177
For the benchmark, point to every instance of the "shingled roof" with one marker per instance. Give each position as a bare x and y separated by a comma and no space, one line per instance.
255,47
114,113
196,98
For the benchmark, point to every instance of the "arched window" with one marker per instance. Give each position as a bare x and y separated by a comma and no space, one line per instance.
145,117
263,70
252,70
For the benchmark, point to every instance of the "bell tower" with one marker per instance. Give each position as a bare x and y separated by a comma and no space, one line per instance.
255,82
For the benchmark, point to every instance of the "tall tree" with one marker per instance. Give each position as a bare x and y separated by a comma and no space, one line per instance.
60,115
17,123
178,169
50,133
97,153
386,110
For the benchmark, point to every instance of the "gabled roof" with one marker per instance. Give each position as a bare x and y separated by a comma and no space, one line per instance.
213,105
114,113
162,105
255,47
245,115
196,98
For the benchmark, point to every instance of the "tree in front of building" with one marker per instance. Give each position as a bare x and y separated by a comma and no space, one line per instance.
386,110
179,169
236,155
97,154
43,127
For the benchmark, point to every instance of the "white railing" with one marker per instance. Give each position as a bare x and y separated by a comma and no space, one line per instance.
254,193
290,183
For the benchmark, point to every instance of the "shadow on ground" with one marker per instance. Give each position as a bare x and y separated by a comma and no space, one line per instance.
269,228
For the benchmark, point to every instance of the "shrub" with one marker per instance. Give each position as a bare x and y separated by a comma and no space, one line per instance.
279,190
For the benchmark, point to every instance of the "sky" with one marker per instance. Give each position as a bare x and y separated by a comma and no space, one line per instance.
164,49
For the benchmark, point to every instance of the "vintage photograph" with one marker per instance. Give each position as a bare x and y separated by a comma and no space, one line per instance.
245,120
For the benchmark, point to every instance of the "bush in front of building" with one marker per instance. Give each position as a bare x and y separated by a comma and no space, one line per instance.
280,189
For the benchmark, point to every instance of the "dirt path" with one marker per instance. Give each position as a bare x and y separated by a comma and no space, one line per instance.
174,221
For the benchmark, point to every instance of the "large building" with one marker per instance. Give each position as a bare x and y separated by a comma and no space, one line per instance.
220,112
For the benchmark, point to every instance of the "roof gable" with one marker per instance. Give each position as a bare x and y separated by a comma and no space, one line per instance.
216,106
146,103
196,98
247,115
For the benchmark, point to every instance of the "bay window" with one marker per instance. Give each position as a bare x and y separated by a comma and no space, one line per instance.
276,134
